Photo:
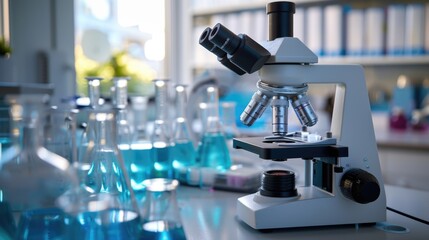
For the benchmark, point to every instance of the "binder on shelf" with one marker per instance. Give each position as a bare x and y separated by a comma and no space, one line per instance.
333,37
314,29
414,29
299,24
374,37
395,42
355,32
246,24
260,26
427,28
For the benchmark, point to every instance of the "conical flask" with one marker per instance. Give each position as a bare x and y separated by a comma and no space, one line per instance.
106,175
162,144
213,151
31,177
136,157
184,151
94,103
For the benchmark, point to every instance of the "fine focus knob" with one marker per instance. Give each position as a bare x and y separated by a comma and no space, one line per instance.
360,186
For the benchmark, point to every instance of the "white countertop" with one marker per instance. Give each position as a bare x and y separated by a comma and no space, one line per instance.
211,215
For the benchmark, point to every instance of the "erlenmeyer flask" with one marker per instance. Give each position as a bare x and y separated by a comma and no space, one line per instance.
136,163
31,177
141,146
106,174
161,217
213,153
94,103
184,151
162,145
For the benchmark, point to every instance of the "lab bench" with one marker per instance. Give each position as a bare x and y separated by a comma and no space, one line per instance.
212,215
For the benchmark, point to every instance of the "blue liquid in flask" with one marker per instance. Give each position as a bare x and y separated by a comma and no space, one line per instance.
214,151
138,163
162,162
163,230
183,157
49,224
108,224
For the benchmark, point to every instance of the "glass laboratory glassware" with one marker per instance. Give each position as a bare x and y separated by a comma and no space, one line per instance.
94,103
184,151
213,151
32,177
136,156
162,145
161,216
141,145
106,174
60,132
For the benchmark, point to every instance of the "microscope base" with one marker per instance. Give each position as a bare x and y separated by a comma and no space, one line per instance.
312,207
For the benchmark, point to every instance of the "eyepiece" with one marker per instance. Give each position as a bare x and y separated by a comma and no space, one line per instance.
280,19
221,55
241,50
224,38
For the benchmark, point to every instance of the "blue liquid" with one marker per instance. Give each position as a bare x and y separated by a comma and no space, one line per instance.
183,157
163,162
7,223
109,224
213,151
138,163
46,224
162,230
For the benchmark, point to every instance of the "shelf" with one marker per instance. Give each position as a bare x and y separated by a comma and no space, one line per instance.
365,61
377,60
243,6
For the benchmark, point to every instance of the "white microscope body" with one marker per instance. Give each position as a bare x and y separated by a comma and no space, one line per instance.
343,181
351,126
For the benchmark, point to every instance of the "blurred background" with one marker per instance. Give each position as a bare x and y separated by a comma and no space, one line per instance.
50,46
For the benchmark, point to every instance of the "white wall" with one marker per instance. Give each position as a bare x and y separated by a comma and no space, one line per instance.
42,40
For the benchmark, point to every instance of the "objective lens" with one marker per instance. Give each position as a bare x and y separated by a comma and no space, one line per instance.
304,111
255,108
280,105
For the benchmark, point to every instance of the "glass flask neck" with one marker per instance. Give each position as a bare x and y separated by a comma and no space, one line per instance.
120,92
161,98
94,91
212,111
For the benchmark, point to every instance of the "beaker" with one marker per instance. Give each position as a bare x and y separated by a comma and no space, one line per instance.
184,151
32,177
213,153
161,216
162,145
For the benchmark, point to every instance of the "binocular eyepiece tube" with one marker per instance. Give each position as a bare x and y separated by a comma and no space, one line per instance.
239,53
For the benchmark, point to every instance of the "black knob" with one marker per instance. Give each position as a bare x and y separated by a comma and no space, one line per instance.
360,186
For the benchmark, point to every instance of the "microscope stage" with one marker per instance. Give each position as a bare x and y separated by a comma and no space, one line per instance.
268,149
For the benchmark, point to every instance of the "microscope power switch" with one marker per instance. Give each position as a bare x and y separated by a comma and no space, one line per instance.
360,186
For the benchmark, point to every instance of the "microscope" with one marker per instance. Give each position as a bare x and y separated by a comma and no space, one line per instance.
343,181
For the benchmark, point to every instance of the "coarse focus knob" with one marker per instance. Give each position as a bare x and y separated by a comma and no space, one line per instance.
360,186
